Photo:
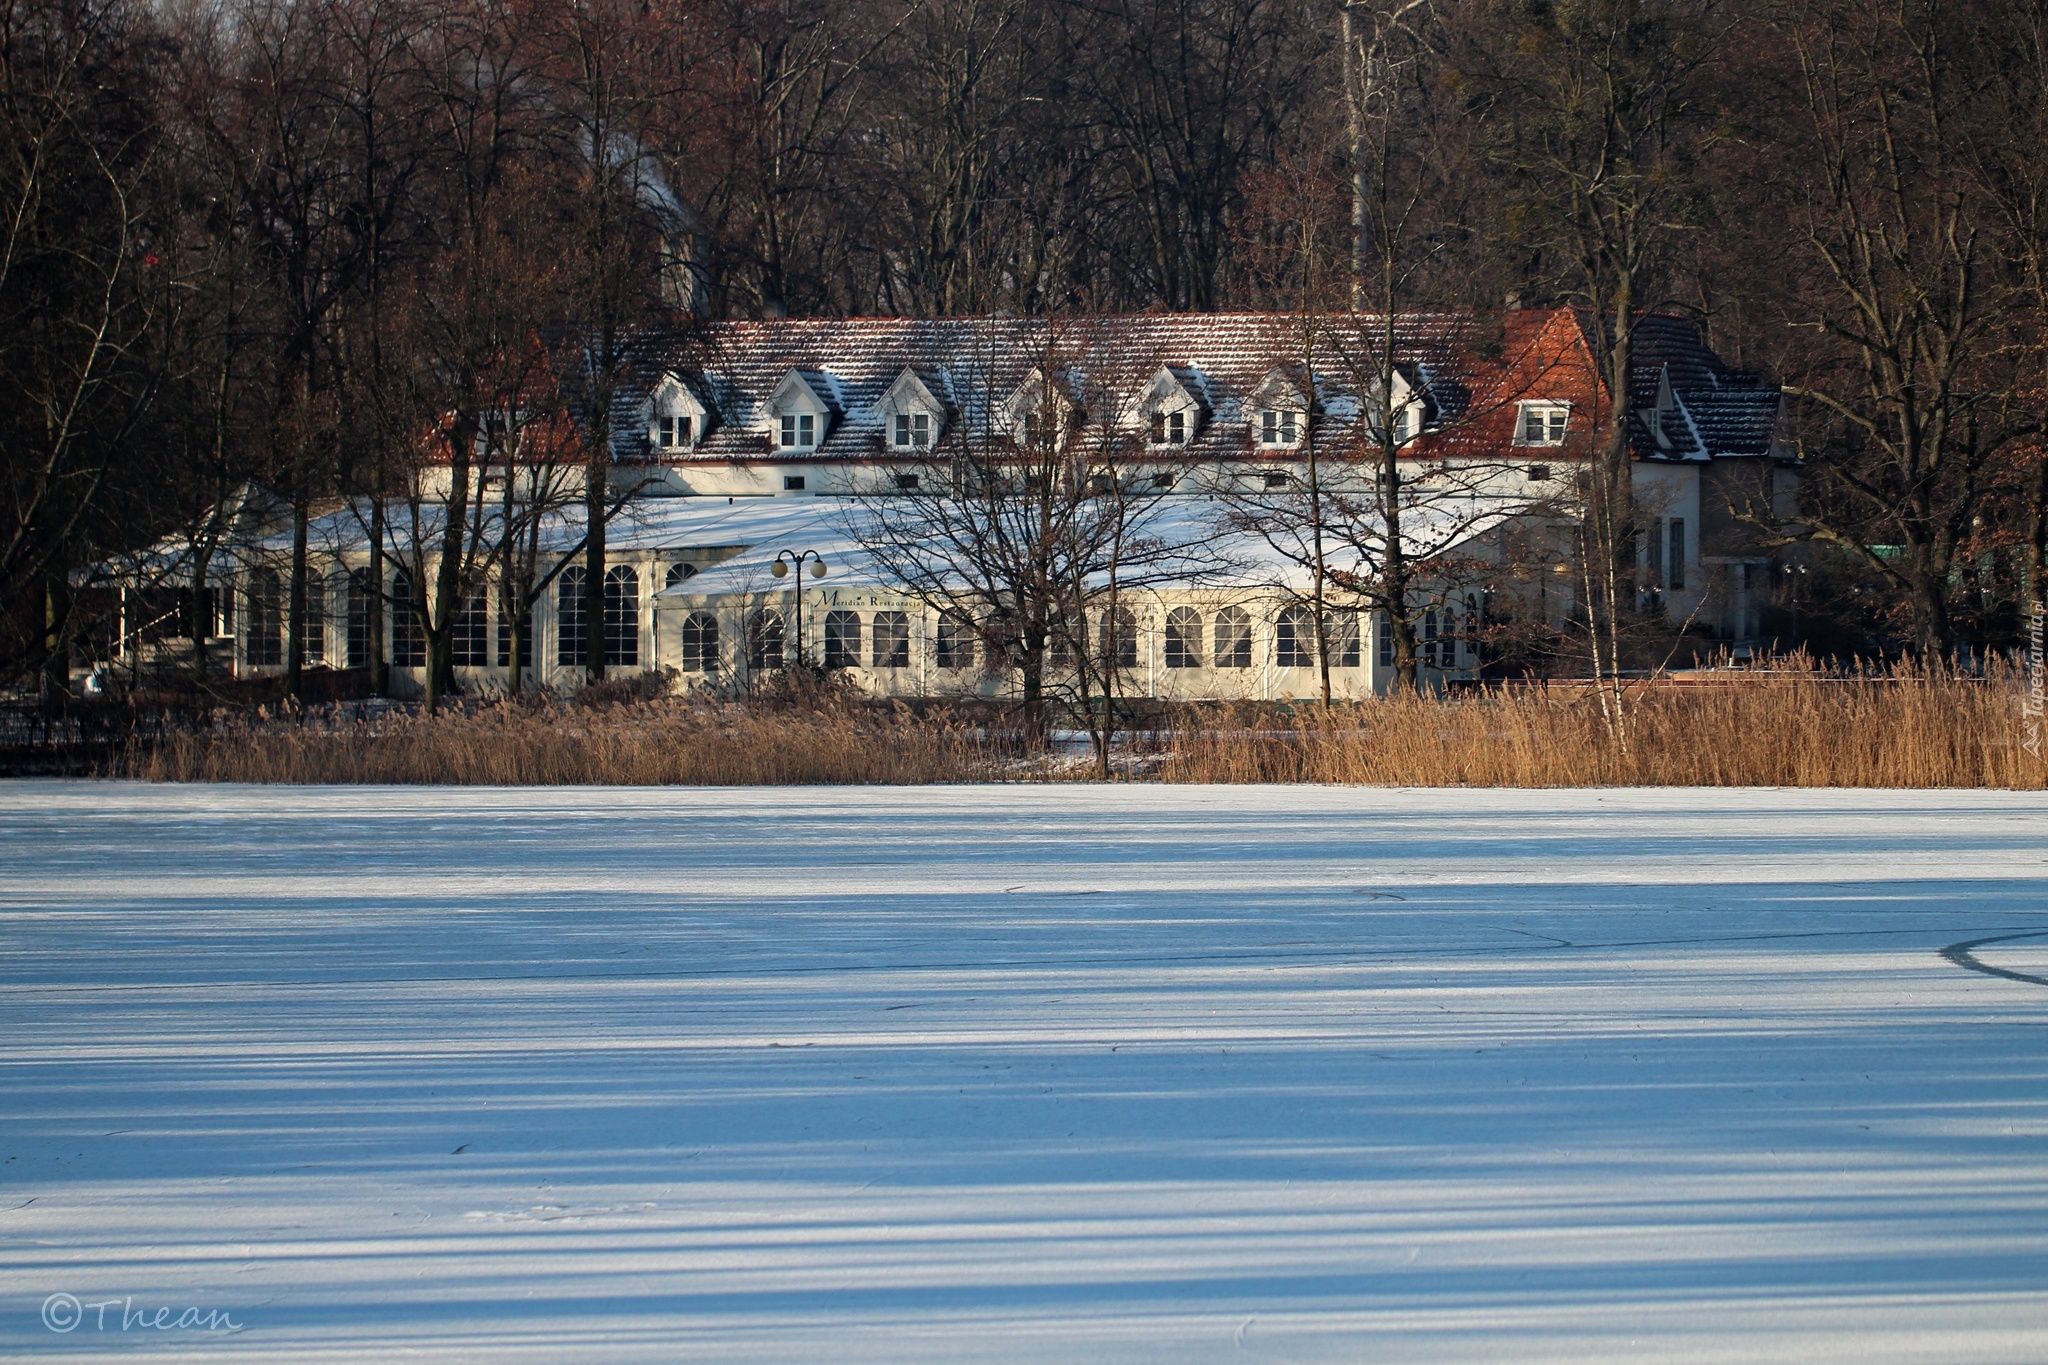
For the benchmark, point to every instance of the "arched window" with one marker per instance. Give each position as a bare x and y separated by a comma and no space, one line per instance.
1233,638
764,640
359,591
471,645
700,642
1119,635
408,641
1429,643
313,638
953,647
892,640
622,616
679,574
265,640
1060,642
571,640
1343,632
1183,638
1294,638
842,639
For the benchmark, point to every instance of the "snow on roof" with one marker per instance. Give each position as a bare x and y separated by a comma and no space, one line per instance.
1193,528
972,364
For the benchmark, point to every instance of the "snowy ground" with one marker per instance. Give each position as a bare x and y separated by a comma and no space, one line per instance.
1035,1073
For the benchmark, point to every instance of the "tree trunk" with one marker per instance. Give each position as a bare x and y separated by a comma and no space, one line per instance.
2037,535
438,621
54,670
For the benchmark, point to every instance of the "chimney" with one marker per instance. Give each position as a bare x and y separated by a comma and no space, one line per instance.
1514,300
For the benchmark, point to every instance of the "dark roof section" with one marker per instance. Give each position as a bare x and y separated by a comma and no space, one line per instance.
1715,411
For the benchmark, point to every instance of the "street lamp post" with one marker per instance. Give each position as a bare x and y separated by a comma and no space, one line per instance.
787,560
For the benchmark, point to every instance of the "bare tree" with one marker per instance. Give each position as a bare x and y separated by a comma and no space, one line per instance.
2006,135
1922,399
1029,516
1600,115
78,309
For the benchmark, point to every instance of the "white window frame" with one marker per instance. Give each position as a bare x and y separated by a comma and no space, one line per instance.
674,431
911,431
1554,417
1280,428
1171,427
796,431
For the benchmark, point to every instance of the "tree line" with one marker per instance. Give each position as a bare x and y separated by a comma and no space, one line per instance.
278,240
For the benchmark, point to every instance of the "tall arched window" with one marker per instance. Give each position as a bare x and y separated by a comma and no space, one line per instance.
1183,638
1294,638
700,642
764,640
1233,638
842,639
1119,638
313,638
622,616
1343,633
1061,642
892,640
571,641
408,641
265,638
470,647
953,647
359,591
678,574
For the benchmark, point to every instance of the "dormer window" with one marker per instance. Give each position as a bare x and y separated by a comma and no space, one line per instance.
1170,412
677,416
671,433
1036,414
799,412
1279,427
1542,424
799,431
494,434
913,431
910,414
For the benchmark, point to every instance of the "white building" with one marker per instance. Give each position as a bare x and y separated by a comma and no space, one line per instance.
740,440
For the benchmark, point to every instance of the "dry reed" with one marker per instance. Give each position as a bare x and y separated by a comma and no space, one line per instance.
1910,727
641,743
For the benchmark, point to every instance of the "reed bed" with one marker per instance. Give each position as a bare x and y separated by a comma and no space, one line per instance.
637,743
1907,727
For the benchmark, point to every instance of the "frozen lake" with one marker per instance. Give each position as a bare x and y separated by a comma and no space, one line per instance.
1059,1073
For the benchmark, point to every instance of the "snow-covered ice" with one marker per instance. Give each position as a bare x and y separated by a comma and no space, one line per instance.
1026,1073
